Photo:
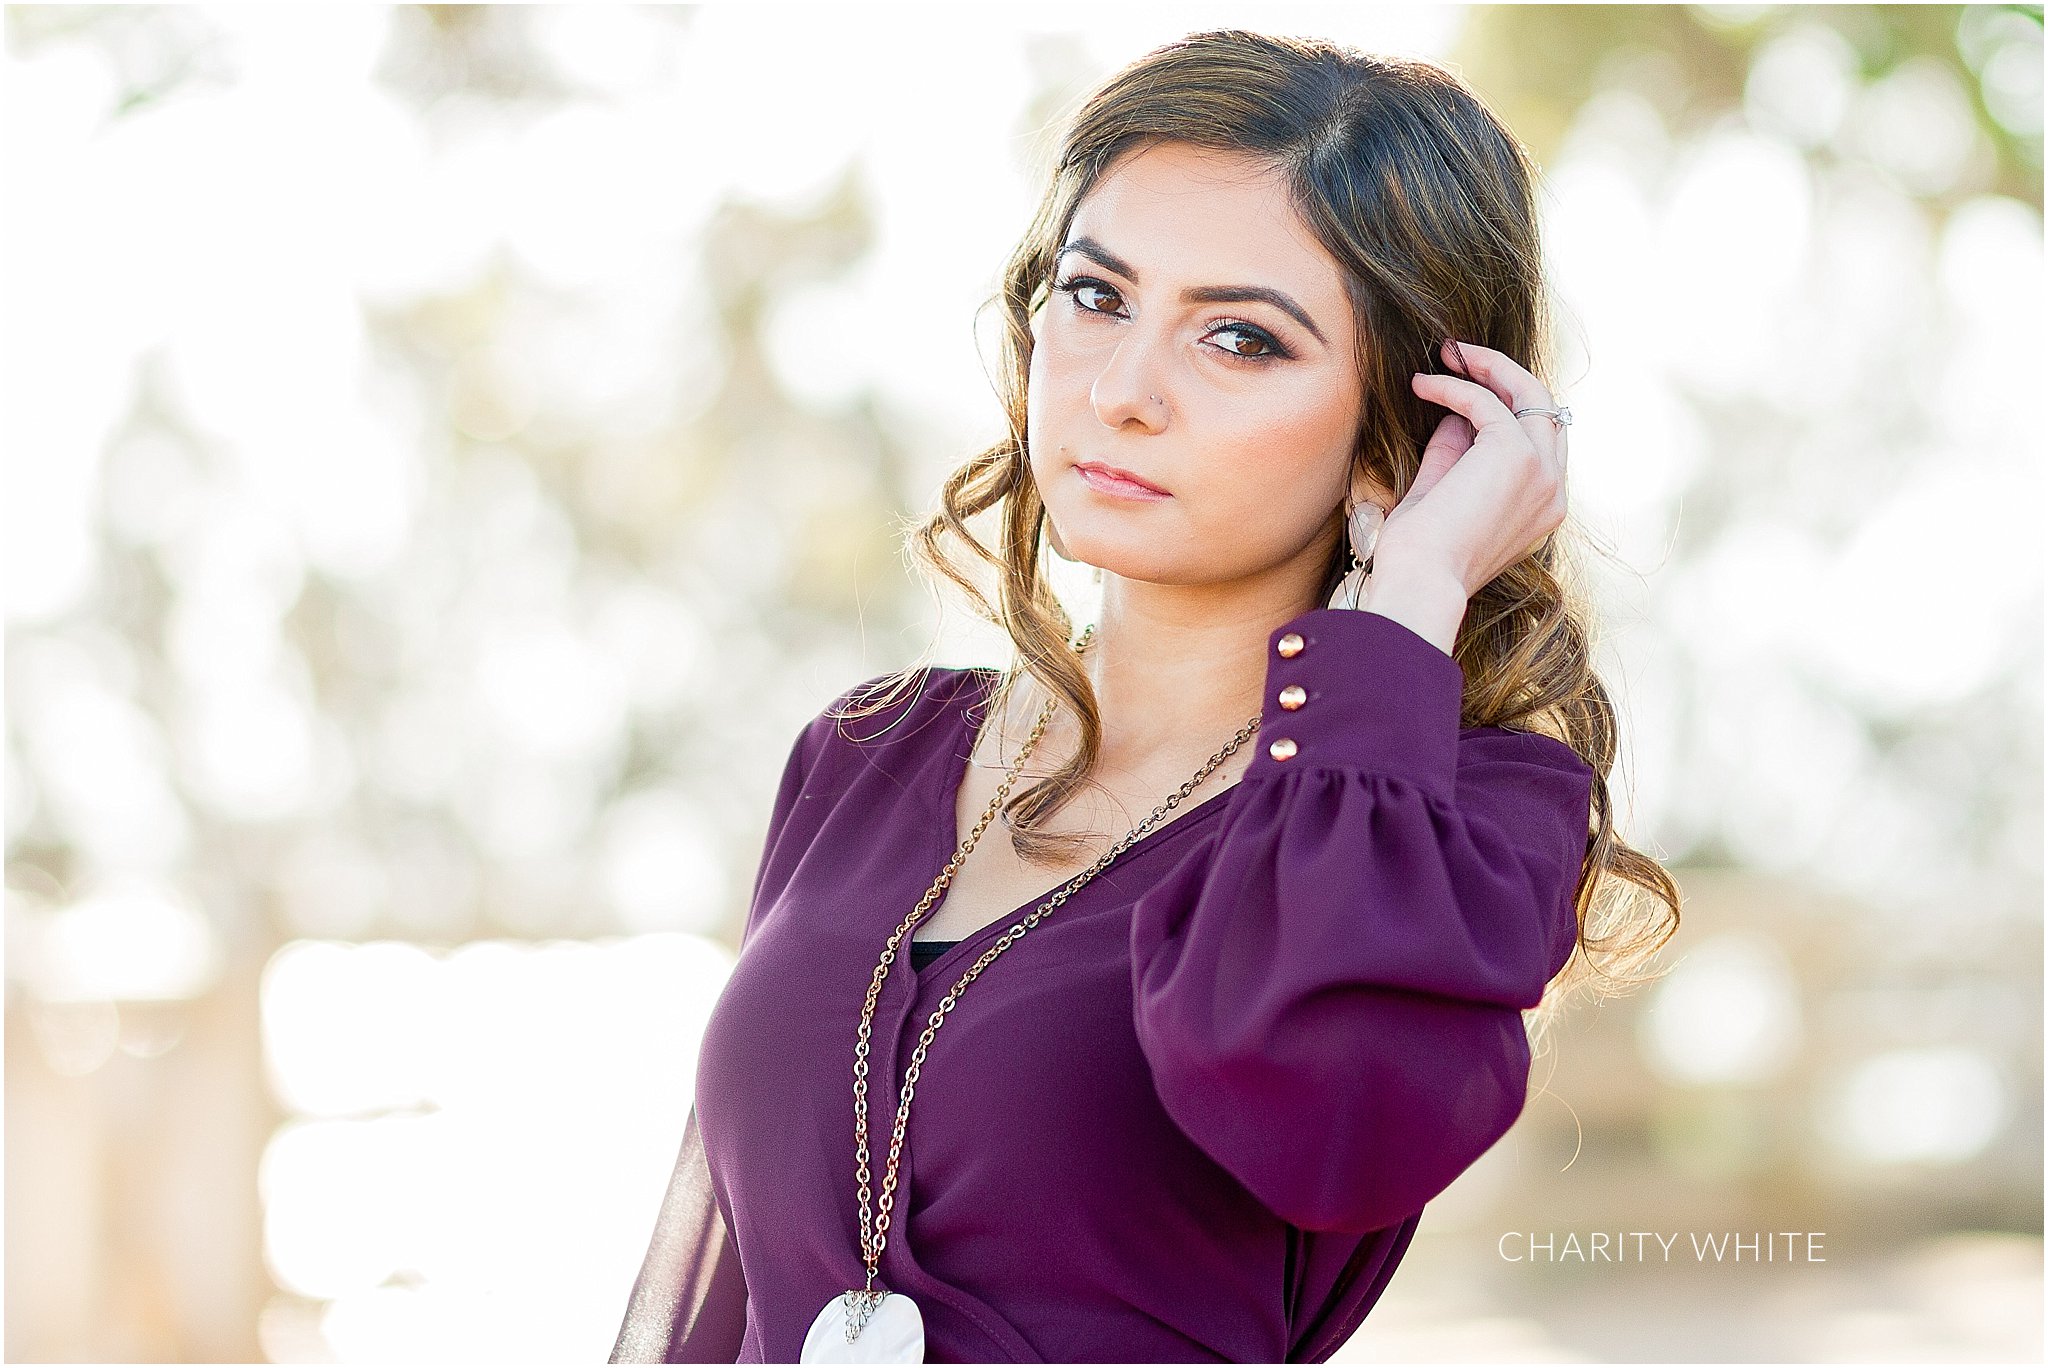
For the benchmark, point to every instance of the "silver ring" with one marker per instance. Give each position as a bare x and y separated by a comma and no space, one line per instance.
1560,416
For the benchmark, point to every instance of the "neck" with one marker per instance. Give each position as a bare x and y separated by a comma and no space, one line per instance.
1179,669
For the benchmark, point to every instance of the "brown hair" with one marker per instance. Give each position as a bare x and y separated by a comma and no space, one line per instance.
1428,203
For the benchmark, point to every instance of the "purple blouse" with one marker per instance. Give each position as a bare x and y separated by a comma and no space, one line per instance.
1194,1114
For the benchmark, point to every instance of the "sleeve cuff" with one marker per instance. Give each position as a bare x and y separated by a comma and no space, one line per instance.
1347,689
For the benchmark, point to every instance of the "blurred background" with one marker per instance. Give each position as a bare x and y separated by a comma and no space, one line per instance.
452,450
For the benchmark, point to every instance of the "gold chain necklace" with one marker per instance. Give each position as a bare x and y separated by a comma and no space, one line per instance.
898,1324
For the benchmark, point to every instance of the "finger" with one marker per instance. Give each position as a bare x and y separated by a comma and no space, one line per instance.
1454,434
1451,440
1510,380
1499,372
1475,401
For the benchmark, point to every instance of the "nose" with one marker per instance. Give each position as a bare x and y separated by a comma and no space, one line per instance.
1125,389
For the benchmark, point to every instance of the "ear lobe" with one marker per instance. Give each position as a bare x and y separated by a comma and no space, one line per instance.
1365,491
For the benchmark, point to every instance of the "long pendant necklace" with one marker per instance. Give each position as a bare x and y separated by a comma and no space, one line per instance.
874,1325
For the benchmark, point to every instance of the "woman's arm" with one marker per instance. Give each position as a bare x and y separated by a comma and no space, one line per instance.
1329,991
689,1304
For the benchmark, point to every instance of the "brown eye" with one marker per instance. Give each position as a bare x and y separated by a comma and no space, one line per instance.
1267,348
1255,341
1100,290
1072,289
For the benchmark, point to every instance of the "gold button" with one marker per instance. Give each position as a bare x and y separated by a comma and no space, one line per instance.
1283,749
1290,645
1293,696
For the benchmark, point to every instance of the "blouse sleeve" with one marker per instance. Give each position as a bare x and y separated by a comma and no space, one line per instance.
1329,989
689,1302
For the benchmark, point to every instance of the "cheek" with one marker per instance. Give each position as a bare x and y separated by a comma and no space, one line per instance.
1038,437
1270,507
1277,460
1290,434
1070,351
1056,396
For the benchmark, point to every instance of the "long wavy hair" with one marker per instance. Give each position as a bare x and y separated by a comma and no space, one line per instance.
1428,203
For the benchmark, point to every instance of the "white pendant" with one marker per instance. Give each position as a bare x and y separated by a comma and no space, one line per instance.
894,1333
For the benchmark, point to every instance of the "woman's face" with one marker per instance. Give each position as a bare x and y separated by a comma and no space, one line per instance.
1187,274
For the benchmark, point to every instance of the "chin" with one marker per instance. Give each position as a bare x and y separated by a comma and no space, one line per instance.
1124,552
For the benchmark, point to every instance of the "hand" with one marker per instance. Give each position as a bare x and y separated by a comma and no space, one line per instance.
1491,486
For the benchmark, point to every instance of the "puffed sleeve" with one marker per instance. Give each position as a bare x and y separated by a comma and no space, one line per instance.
689,1302
1328,988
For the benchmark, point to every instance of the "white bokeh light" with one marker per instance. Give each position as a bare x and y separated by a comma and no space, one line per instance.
1728,1014
475,1143
1927,1105
126,940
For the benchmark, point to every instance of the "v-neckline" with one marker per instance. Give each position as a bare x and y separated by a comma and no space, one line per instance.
980,679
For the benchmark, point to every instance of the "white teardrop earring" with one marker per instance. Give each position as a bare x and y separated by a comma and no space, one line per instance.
1366,521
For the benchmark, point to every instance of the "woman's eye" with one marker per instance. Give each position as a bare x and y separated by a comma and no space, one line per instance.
1267,347
1076,286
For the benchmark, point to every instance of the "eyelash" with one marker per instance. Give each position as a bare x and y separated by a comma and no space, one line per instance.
1275,352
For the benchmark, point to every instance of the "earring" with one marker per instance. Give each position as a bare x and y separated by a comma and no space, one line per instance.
1362,524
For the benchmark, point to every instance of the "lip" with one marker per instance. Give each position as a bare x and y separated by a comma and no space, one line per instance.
1108,479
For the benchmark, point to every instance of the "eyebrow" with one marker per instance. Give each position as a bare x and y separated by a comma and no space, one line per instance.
1199,294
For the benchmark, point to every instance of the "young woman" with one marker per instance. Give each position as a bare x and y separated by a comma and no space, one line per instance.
1164,1066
